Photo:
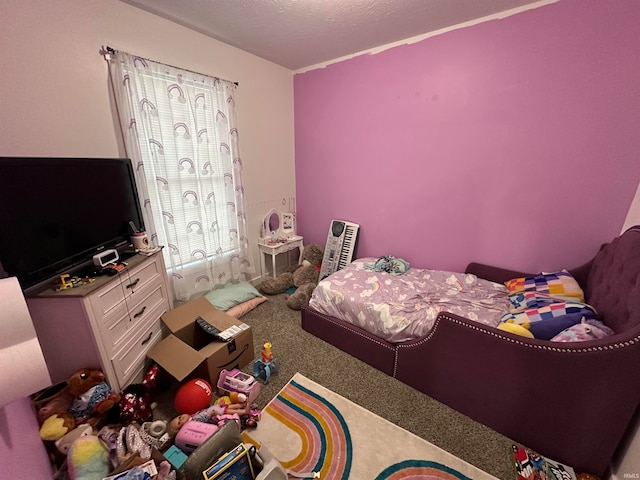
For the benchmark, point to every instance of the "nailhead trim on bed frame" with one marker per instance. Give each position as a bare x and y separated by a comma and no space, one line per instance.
575,349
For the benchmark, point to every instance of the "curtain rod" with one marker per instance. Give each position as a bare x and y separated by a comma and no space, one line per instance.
112,51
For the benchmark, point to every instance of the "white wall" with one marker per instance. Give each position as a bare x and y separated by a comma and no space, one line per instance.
633,215
628,462
55,99
627,465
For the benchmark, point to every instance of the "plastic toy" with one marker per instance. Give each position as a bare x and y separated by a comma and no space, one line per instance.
73,282
267,365
266,354
175,456
192,430
193,396
193,433
240,381
236,381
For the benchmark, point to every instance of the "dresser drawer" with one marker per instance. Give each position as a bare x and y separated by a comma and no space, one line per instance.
129,359
142,306
113,295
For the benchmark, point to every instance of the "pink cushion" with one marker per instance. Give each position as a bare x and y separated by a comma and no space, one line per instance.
245,307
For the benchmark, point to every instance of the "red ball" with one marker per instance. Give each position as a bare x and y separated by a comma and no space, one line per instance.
193,396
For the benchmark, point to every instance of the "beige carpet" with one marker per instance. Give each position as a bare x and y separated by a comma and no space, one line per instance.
310,428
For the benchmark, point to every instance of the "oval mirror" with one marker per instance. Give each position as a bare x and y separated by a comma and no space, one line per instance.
274,222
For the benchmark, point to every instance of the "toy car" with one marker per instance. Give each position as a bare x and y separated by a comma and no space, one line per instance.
237,381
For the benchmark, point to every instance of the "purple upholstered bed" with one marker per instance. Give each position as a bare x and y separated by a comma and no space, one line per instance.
572,402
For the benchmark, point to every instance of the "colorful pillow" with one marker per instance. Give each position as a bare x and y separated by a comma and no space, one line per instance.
232,294
243,308
524,300
559,285
548,312
587,329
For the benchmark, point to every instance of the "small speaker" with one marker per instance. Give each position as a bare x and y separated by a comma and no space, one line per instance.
105,258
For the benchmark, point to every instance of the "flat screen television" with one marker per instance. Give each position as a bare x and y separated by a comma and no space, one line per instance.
56,213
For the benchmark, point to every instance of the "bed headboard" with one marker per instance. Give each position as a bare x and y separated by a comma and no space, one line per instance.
613,285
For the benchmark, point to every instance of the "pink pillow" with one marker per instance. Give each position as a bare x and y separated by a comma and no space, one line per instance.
245,307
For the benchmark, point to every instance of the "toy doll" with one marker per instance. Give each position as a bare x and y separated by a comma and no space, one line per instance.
218,414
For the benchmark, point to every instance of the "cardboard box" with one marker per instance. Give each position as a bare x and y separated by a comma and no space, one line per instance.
189,352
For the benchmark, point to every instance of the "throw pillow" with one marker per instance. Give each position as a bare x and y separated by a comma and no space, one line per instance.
524,300
548,312
243,308
558,284
232,294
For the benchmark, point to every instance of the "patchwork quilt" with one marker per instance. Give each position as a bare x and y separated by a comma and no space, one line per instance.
550,306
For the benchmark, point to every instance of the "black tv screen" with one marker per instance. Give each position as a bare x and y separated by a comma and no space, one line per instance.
56,213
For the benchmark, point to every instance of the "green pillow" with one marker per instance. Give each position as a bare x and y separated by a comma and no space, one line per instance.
231,294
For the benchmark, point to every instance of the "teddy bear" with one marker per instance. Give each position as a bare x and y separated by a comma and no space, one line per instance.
304,277
86,398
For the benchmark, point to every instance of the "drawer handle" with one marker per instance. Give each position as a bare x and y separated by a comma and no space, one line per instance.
140,312
146,340
134,283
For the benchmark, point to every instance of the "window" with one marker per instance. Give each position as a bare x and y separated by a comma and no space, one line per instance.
179,128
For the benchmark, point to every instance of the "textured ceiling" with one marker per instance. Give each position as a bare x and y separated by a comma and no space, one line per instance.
301,33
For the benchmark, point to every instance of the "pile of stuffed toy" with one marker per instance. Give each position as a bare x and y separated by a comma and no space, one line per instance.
92,432
84,423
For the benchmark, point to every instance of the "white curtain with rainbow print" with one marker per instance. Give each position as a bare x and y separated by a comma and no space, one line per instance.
179,129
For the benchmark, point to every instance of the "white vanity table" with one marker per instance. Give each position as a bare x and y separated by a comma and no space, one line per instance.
277,235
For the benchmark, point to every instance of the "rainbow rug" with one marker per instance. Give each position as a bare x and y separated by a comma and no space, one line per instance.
312,429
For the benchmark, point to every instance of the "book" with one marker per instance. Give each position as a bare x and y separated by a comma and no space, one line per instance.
234,464
532,466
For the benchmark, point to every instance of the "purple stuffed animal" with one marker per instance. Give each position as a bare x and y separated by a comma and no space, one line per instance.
587,329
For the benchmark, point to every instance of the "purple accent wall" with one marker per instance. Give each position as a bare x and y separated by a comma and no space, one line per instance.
514,142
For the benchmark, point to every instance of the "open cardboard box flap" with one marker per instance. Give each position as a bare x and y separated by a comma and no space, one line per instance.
185,315
189,350
176,357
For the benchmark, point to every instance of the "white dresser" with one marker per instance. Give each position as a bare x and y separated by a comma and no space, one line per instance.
109,324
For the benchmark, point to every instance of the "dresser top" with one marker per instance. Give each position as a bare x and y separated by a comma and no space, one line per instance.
50,290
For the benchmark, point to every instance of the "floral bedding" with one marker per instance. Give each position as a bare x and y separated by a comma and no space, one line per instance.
404,307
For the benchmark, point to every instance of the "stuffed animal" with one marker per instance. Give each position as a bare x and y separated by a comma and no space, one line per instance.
88,459
58,403
587,329
86,399
92,395
304,277
63,444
